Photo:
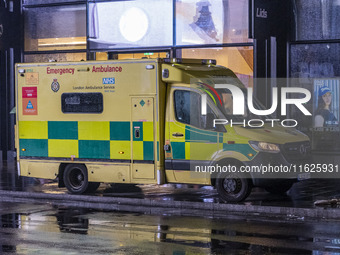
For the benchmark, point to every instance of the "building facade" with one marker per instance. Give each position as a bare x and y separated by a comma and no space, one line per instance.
255,38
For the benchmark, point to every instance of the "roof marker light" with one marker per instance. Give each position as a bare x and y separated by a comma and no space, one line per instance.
149,67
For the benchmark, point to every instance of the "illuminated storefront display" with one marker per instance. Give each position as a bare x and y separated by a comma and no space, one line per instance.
55,28
56,31
130,24
239,59
196,23
297,39
211,22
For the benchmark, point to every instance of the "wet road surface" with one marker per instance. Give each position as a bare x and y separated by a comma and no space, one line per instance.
301,195
36,228
47,229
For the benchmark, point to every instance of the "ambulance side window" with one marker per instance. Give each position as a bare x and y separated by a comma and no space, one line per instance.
82,102
182,106
188,109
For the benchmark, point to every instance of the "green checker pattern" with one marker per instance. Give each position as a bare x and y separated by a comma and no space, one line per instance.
87,149
193,135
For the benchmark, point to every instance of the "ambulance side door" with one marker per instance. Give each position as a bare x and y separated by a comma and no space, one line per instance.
192,141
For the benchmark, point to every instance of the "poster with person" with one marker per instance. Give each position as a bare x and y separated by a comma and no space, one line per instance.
326,105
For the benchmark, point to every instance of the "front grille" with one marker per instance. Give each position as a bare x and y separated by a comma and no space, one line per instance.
296,152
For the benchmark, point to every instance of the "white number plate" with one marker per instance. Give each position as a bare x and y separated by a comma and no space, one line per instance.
303,176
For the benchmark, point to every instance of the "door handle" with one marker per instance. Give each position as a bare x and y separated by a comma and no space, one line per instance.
167,147
177,134
137,132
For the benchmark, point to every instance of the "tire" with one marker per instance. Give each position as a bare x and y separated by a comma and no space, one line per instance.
278,189
76,179
233,187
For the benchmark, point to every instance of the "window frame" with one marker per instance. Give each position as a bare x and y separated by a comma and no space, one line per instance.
213,109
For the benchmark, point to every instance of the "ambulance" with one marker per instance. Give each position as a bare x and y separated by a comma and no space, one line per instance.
143,122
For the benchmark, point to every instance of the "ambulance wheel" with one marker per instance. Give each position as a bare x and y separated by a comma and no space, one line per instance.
233,187
75,178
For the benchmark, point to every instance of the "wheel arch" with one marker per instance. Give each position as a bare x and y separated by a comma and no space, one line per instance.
226,162
62,166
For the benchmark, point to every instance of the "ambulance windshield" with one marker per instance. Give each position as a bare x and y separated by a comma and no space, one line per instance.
231,98
230,107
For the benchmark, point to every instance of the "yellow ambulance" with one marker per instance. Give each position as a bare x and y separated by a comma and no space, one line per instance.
142,122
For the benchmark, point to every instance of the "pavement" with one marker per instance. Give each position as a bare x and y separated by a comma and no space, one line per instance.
298,204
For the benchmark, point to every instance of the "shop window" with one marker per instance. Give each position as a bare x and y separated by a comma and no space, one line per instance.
101,56
126,24
316,68
239,59
211,22
57,57
36,2
104,55
82,102
143,55
55,28
317,19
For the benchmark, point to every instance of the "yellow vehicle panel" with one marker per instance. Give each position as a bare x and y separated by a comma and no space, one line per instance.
50,127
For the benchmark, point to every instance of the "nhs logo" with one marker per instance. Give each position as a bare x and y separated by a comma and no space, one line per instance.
109,80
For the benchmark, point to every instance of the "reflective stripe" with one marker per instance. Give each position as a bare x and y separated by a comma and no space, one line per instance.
86,139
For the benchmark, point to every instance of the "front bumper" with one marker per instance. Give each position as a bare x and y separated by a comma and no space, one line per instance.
266,169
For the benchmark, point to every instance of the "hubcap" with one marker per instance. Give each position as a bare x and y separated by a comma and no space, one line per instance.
80,177
232,185
76,178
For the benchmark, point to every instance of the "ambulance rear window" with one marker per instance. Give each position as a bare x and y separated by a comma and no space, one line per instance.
82,103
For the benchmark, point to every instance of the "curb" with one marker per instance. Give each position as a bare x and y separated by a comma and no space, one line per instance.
173,207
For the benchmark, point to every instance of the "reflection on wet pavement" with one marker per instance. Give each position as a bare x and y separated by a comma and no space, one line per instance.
46,229
302,194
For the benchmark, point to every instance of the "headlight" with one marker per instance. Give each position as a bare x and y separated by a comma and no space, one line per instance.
263,146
